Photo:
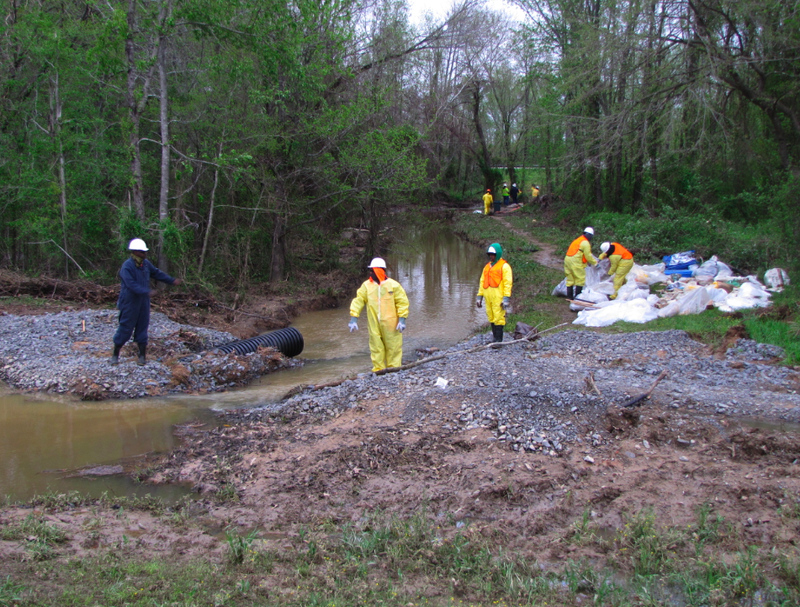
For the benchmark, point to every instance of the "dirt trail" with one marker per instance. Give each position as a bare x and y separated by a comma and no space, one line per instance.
546,255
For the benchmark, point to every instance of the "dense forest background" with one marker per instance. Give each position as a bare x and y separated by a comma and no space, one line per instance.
240,137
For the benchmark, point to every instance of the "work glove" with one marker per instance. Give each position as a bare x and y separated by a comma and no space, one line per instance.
152,293
178,281
353,324
507,304
479,301
401,325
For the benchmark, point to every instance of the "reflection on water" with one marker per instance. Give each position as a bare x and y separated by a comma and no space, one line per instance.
438,271
43,441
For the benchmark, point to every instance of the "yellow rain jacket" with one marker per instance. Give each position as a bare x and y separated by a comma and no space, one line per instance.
496,283
578,255
621,263
386,303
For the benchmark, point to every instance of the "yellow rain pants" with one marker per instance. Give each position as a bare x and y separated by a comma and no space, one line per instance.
386,303
493,296
575,264
619,270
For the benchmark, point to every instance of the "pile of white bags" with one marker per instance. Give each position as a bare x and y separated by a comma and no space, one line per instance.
712,285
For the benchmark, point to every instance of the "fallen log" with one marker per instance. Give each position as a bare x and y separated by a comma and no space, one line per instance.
638,399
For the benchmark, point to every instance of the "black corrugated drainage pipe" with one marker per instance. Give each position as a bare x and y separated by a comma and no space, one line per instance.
288,342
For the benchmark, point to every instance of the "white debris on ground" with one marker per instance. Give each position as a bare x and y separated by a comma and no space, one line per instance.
696,289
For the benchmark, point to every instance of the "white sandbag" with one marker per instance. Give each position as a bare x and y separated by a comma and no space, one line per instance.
748,289
606,287
648,275
694,301
589,296
706,272
736,301
717,295
653,299
724,271
776,278
638,294
638,311
628,290
560,290
671,309
598,273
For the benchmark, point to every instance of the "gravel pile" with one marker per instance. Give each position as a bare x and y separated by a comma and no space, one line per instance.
538,396
70,351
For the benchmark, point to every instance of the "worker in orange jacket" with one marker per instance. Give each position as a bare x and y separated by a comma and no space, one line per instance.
496,282
578,255
621,263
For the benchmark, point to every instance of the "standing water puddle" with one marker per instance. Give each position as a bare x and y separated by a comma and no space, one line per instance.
43,441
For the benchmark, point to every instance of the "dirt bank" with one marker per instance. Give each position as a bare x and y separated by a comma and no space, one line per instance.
526,444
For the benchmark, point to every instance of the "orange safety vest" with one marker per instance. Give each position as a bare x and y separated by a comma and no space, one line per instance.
620,250
493,274
575,246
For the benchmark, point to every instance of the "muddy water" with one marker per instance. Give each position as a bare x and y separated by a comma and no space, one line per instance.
43,442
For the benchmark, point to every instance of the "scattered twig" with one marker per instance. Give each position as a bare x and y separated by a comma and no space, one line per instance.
646,395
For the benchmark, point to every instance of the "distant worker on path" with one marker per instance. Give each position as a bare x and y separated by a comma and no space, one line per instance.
506,194
387,310
495,286
134,299
514,191
488,201
578,255
534,193
621,263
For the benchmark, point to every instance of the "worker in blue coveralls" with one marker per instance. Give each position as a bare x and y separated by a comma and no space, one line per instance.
134,299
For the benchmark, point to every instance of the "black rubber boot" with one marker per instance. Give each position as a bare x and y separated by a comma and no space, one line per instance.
497,331
570,293
578,291
142,355
494,329
115,355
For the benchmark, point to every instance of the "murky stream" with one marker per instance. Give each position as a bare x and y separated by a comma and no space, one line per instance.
42,441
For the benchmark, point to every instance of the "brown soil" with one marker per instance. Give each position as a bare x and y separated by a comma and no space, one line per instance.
546,255
292,472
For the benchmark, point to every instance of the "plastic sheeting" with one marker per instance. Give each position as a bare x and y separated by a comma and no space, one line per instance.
636,310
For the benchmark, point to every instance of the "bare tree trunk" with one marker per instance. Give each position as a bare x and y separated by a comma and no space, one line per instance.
55,131
135,109
210,222
163,197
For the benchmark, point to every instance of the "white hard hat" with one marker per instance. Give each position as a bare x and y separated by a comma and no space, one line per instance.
491,250
377,262
605,246
588,231
137,244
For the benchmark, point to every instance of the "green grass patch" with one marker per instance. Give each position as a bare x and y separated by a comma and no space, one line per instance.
428,560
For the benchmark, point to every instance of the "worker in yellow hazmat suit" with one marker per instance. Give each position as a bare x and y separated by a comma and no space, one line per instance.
578,255
488,200
387,310
495,286
621,263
